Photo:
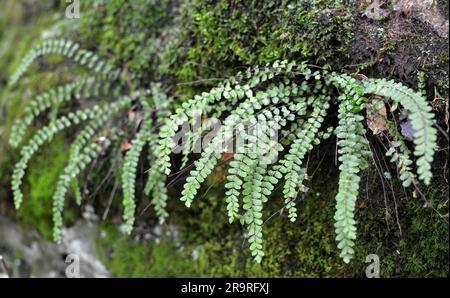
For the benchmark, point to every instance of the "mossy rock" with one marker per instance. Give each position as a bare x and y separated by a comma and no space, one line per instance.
306,249
201,41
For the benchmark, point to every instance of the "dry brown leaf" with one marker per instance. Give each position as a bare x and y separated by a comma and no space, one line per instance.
227,156
126,146
376,113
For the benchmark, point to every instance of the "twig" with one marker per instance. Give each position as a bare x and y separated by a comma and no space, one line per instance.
392,191
380,174
4,267
200,81
111,197
441,130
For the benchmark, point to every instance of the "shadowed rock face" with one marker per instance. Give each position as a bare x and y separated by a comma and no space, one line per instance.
27,255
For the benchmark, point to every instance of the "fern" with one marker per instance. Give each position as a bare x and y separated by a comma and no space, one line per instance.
43,135
46,133
230,90
353,151
159,197
272,118
129,177
421,117
76,191
87,87
67,49
291,166
252,204
156,182
399,154
72,170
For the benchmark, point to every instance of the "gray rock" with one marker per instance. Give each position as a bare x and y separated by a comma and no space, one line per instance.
28,255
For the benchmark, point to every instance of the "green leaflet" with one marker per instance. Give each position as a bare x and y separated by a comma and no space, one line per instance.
421,117
353,154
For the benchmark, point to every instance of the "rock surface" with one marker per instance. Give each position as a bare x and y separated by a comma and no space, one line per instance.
26,254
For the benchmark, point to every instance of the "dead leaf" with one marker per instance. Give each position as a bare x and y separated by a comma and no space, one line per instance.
376,114
135,117
359,76
131,116
227,156
126,146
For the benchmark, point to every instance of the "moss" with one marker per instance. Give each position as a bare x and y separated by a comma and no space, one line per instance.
219,37
191,40
424,249
130,38
24,25
41,181
303,249
127,258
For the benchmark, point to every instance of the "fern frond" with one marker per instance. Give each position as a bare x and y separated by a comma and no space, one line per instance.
232,91
46,133
420,114
399,154
293,161
67,49
261,150
253,204
353,154
87,87
71,171
159,198
156,186
129,178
